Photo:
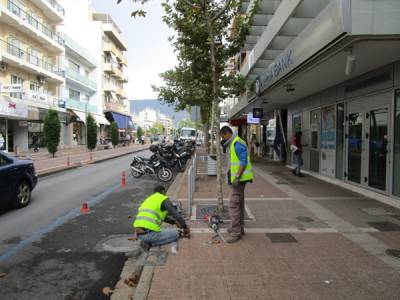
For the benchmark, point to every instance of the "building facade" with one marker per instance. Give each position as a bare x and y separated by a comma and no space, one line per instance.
114,78
83,70
331,69
31,71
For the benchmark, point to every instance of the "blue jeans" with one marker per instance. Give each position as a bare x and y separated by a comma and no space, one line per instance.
165,236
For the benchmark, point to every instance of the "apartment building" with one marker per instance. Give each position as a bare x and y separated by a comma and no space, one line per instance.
83,70
114,63
31,71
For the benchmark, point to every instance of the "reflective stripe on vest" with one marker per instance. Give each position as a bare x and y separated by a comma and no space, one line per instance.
150,216
235,162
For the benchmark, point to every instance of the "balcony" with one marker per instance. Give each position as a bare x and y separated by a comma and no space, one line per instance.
80,51
107,68
41,100
110,106
117,73
51,9
110,47
120,92
83,82
19,58
15,16
78,105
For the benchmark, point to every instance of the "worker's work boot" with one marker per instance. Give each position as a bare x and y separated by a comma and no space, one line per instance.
145,246
233,238
229,230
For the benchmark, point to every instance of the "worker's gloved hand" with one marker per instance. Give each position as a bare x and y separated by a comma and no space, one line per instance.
186,233
236,182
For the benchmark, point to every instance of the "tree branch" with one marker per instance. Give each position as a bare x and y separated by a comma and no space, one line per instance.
221,11
191,4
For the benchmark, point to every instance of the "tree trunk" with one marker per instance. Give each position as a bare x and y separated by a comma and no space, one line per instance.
215,114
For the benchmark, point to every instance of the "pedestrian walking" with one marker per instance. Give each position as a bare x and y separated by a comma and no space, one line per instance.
155,210
238,175
297,150
35,142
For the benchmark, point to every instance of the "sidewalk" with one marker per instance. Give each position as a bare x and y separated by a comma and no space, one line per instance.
65,159
305,239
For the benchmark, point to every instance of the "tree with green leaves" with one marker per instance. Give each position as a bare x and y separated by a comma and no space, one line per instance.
185,123
91,132
139,132
205,40
114,134
52,128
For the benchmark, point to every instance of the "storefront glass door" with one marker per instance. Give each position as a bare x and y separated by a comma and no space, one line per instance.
368,142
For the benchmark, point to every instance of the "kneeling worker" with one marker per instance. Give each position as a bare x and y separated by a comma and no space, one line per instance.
155,210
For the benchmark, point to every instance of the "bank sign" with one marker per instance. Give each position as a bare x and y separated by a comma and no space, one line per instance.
275,71
13,109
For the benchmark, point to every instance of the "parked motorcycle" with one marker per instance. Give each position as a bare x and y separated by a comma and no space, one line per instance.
155,165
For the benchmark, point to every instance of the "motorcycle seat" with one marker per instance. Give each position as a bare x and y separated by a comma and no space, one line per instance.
144,158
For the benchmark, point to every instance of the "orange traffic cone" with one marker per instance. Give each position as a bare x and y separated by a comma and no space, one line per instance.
85,208
123,179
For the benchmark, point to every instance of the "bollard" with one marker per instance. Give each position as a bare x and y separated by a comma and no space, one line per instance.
68,161
123,179
91,157
85,208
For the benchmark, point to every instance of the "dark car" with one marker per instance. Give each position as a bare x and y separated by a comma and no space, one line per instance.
17,180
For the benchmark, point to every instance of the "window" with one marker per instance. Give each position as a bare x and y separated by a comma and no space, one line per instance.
3,161
33,19
14,47
86,73
76,95
34,86
73,66
16,80
33,56
85,98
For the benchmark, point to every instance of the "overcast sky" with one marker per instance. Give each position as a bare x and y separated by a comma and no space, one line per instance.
149,52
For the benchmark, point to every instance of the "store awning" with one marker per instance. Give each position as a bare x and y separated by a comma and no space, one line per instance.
81,115
122,121
101,120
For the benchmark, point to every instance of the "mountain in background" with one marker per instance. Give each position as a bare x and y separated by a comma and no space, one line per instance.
137,106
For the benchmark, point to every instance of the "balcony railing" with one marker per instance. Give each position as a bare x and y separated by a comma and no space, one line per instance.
29,58
79,49
57,6
82,79
18,11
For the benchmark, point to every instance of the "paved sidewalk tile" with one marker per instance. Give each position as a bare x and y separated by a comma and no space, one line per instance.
319,266
206,187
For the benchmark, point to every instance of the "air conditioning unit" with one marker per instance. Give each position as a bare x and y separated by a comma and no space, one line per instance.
41,79
3,66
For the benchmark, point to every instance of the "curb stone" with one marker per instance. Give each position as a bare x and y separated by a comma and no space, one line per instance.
59,169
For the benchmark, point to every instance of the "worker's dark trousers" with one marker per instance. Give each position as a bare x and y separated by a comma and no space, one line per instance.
236,209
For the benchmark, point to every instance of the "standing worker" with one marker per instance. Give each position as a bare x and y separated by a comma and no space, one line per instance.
239,173
155,210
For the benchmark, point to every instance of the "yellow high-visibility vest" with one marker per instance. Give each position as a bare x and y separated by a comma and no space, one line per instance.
235,162
150,216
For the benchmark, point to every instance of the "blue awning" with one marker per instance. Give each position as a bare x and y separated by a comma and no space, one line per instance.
122,121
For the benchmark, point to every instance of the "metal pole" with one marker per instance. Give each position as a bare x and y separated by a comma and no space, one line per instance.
86,124
190,191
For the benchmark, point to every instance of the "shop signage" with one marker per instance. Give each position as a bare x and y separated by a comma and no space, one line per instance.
23,123
325,28
10,88
251,119
13,109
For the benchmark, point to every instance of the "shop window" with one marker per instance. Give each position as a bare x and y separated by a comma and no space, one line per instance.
396,147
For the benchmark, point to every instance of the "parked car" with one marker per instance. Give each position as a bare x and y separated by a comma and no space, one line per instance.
17,180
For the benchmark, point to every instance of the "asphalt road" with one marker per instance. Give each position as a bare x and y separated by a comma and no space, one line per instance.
50,251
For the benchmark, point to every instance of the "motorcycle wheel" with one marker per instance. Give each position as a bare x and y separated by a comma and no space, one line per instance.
164,174
135,174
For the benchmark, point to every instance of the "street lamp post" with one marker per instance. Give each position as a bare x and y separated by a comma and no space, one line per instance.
86,116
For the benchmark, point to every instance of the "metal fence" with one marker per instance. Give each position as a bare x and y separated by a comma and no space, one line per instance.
192,183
